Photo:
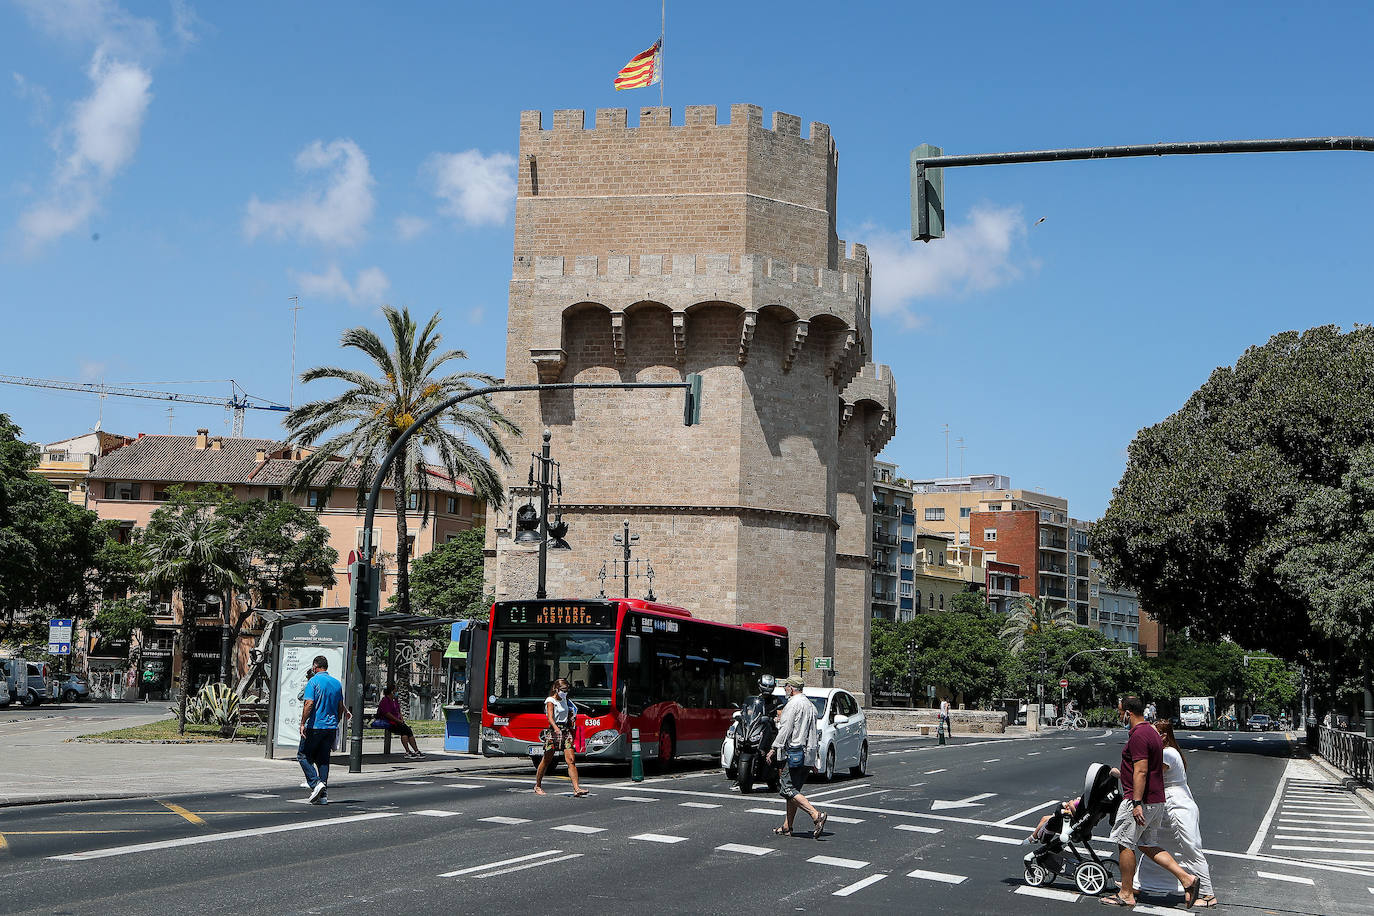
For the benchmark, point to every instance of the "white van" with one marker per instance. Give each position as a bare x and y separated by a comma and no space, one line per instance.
6,698
30,682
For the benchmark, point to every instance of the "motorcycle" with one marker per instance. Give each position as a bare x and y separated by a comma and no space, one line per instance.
754,731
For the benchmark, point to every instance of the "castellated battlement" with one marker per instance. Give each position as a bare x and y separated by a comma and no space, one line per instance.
694,116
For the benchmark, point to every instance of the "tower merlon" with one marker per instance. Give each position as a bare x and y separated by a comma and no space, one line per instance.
740,115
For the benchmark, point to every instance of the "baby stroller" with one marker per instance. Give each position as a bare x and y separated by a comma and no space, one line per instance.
1064,836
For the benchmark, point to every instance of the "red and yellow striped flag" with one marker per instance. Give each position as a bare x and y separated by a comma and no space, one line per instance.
642,70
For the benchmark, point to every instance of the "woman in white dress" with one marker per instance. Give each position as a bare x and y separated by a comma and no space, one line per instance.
1181,816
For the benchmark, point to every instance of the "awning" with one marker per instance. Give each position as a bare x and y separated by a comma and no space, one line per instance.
453,651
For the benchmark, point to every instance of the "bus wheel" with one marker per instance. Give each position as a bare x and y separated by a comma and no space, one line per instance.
665,745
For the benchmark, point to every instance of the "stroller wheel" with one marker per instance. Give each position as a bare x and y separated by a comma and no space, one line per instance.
1091,878
1038,875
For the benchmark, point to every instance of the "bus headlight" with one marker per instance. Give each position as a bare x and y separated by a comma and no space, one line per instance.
602,739
490,736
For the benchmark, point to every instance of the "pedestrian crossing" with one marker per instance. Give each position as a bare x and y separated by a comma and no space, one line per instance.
1319,821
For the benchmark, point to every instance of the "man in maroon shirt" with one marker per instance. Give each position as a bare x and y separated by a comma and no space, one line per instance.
1141,815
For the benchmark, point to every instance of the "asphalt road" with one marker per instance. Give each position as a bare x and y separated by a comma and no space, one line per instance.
930,828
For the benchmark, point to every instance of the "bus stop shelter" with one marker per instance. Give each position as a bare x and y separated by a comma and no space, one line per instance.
291,641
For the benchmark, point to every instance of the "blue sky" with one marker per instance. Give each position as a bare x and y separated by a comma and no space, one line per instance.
173,172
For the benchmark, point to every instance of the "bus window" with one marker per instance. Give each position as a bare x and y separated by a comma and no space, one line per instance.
524,665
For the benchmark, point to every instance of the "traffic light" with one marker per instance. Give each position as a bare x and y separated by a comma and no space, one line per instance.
927,196
364,593
691,407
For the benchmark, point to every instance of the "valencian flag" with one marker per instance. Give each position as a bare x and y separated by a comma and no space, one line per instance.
644,69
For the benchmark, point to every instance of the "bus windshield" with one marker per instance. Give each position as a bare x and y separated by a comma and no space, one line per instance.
524,665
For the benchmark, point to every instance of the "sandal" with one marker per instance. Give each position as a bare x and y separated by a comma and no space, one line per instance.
1205,901
1115,900
580,793
820,825
782,831
1190,893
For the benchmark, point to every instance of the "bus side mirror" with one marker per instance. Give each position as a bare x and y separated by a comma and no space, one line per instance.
633,649
465,640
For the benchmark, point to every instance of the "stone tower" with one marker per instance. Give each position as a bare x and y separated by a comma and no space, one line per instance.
645,253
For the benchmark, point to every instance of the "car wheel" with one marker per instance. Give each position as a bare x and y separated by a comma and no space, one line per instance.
862,768
29,699
829,772
70,696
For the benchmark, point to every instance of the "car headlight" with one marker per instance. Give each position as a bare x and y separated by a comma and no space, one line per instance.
602,739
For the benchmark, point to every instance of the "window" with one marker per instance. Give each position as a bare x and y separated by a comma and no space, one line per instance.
935,514
57,455
907,561
990,556
989,534
906,589
274,494
453,505
358,537
122,490
412,501
918,597
942,602
965,511
942,558
316,499
963,538
932,601
160,496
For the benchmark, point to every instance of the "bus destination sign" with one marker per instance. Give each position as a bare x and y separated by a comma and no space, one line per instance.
555,614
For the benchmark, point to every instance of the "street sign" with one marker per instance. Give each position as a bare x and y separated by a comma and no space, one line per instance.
824,662
60,637
1064,682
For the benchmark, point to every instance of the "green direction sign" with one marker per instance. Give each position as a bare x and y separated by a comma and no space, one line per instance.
825,662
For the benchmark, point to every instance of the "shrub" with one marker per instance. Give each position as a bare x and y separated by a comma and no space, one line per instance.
1102,717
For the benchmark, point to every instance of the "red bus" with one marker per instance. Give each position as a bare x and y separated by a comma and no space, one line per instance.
632,664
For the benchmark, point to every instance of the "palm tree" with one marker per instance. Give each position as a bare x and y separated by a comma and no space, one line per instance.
1034,615
193,553
362,422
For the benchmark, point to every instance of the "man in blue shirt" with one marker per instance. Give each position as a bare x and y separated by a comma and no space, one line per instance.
324,706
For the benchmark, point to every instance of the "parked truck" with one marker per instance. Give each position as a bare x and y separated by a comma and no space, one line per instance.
1197,712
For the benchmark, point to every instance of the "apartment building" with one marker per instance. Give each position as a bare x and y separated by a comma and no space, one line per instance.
893,526
68,463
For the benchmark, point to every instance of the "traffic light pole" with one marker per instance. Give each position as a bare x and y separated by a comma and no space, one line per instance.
927,187
363,587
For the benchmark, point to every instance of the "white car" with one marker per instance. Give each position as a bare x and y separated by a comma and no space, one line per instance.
843,732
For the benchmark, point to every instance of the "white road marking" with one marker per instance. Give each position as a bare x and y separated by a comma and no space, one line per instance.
999,839
525,858
993,760
772,811
502,819
1033,754
1155,910
258,795
1295,879
933,772
219,837
860,795
1323,839
635,798
507,871
1048,893
940,876
858,885
1258,841
463,785
658,838
1020,814
862,785
1346,852
973,801
1326,830
414,782
916,785
842,820
917,828
746,850
435,812
838,863
697,805
1325,819
578,828
1333,807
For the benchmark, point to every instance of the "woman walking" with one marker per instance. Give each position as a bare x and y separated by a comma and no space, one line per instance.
559,710
1181,816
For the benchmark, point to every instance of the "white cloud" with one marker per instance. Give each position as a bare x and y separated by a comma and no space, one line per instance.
336,214
98,141
185,22
976,255
473,188
98,23
410,227
370,287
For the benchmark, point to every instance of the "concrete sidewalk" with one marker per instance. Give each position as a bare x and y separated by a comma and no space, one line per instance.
40,764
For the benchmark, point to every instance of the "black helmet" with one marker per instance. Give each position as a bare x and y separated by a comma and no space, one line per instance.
767,683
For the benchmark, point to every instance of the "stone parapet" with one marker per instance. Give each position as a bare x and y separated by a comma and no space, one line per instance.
962,721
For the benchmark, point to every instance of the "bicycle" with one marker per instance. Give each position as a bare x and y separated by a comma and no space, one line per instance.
1074,722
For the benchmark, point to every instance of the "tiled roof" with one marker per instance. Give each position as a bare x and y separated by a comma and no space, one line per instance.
175,459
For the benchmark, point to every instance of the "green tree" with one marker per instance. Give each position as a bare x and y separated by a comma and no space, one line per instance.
120,618
1029,616
1246,513
191,553
447,581
889,661
961,653
1095,678
362,422
970,602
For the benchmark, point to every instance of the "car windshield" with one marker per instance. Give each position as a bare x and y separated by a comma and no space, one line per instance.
524,665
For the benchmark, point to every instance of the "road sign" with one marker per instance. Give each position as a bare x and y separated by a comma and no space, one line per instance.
824,662
60,637
1064,682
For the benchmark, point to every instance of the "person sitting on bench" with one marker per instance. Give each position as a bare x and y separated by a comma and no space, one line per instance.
389,717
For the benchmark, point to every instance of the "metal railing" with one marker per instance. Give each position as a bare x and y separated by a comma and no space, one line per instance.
1349,752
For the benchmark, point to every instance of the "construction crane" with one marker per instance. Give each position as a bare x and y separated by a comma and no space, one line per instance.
237,402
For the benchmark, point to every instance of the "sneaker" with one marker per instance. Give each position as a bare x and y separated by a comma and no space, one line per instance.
305,785
317,793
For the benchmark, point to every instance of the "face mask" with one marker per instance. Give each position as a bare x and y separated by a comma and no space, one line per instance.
562,694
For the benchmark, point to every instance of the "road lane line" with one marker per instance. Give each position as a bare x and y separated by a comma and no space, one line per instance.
1345,819
933,772
258,795
1047,893
858,885
1033,754
177,809
1020,814
463,785
999,839
1345,852
1295,879
993,760
860,795
842,820
942,877
219,837
1326,830
917,828
502,819
697,805
862,785
635,798
1260,834
435,812
414,782
659,838
507,871
1333,807
578,828
745,850
525,858
838,863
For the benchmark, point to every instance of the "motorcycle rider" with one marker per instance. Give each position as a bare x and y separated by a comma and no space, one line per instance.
754,732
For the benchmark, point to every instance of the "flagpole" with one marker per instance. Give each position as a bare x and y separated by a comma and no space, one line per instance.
662,34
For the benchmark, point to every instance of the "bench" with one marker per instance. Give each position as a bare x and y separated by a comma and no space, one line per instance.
251,715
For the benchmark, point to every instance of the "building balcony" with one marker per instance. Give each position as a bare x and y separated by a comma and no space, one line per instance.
1047,590
885,509
1053,569
885,539
1049,543
885,597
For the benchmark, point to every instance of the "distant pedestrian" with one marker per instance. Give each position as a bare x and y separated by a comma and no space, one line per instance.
1150,713
942,727
794,752
320,717
389,717
558,736
1141,814
1180,817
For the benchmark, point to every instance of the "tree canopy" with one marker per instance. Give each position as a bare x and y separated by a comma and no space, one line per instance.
1249,513
447,581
